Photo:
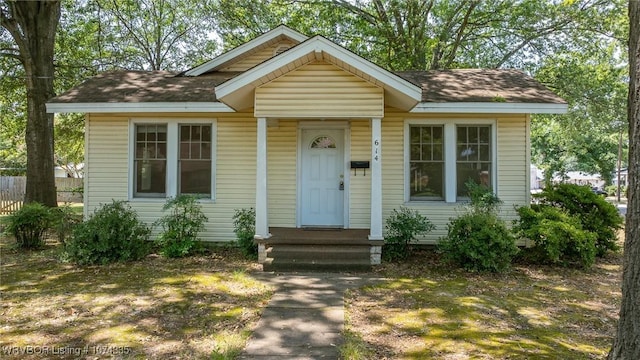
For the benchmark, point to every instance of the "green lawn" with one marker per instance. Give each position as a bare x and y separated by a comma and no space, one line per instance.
427,310
202,307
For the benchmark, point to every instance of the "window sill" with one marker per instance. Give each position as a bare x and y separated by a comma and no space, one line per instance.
164,199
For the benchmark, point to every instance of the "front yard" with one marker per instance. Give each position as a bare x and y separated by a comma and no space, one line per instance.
155,308
206,306
430,311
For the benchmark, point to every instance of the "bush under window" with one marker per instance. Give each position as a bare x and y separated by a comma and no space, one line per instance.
478,240
113,233
180,228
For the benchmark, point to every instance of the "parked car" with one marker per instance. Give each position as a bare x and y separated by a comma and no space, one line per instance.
599,191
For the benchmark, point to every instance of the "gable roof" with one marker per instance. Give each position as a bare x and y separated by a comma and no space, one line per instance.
399,92
262,40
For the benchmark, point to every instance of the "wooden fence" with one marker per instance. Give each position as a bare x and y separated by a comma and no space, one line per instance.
12,189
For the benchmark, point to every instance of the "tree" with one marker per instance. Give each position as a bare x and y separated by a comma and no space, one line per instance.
157,34
586,138
627,342
32,25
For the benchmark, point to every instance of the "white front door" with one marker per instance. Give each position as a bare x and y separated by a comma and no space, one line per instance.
322,178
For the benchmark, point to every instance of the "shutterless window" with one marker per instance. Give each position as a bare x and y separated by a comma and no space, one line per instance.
474,159
194,163
150,160
426,176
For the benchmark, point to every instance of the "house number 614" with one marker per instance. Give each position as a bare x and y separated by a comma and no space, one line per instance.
376,144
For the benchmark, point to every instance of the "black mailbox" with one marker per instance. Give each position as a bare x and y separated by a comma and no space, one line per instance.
359,164
355,165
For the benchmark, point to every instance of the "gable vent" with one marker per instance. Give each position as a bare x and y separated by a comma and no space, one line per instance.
280,49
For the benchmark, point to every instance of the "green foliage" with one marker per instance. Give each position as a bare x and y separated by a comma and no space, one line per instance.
403,226
478,240
113,233
482,198
557,236
594,212
180,228
65,219
244,226
612,190
29,225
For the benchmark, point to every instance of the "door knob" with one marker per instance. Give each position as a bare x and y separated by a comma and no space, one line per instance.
341,187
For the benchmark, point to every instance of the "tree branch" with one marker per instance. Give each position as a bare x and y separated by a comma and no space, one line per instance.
463,26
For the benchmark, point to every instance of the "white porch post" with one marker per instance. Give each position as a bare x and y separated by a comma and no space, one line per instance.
262,224
376,179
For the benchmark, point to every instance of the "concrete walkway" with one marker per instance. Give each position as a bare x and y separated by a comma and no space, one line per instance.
304,319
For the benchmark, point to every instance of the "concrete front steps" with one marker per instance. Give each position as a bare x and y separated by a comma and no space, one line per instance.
319,250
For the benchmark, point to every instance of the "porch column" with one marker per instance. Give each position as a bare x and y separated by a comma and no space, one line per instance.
262,223
376,180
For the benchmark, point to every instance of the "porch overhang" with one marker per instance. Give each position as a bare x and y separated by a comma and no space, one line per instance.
239,92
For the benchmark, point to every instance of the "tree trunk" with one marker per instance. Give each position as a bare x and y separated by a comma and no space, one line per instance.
33,26
627,342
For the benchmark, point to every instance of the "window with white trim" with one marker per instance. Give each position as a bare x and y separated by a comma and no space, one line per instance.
195,159
150,162
442,156
473,156
173,158
426,167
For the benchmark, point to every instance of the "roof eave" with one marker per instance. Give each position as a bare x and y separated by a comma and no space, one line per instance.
139,107
490,108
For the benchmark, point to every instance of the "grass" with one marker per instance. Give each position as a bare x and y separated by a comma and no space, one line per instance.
427,310
199,307
206,307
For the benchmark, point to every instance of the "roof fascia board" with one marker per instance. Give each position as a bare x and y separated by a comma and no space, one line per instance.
383,75
319,44
238,51
170,107
487,108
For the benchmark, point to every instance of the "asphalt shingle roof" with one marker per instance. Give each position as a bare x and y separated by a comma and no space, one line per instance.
463,85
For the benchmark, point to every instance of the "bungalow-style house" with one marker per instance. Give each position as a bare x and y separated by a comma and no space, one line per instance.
323,143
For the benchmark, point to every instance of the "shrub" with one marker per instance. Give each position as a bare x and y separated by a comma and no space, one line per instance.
29,225
403,226
594,212
64,221
180,228
112,233
478,240
244,226
557,236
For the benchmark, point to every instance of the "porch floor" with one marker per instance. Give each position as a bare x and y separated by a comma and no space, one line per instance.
318,236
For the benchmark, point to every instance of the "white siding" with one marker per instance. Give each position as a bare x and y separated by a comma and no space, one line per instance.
319,90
